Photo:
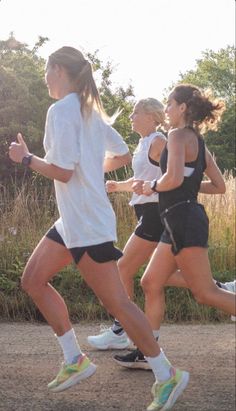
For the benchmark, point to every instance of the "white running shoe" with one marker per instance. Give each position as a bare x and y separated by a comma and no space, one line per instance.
231,286
108,340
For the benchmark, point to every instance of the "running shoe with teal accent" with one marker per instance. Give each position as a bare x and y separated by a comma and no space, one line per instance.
166,393
71,374
109,340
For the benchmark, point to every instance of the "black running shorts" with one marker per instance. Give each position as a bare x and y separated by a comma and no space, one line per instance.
186,225
149,225
101,253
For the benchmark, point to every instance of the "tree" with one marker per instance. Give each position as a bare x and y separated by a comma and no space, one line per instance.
216,70
23,100
119,99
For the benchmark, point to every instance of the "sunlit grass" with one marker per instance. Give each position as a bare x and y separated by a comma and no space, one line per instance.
28,212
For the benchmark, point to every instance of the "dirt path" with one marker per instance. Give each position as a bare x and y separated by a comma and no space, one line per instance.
29,357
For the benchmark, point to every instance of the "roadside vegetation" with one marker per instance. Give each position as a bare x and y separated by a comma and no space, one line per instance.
27,204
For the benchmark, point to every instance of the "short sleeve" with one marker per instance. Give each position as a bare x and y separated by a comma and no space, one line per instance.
61,140
114,143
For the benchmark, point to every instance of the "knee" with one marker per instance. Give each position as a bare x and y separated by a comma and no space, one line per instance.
148,285
145,284
151,288
29,285
26,283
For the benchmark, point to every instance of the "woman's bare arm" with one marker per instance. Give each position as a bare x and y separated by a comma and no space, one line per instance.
215,184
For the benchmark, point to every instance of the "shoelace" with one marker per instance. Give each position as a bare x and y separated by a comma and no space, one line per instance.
104,328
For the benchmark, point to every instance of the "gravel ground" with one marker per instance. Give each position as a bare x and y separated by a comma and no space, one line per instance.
30,357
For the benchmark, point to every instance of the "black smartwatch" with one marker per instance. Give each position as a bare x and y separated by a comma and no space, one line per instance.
153,186
27,160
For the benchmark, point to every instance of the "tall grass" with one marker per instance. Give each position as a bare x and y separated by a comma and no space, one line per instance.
221,213
27,213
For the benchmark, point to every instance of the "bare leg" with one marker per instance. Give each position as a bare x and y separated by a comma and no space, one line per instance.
47,259
177,280
136,252
104,280
159,269
194,264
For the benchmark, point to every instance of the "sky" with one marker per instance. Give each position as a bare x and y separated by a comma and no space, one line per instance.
149,42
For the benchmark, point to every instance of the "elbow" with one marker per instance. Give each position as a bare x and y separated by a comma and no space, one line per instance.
64,180
127,159
175,182
222,188
65,177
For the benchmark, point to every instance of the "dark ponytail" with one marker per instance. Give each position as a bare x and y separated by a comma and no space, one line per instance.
202,111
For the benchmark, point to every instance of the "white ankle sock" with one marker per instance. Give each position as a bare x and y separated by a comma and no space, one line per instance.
161,366
156,334
70,346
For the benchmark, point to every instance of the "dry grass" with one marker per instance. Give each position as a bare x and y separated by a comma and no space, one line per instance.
26,214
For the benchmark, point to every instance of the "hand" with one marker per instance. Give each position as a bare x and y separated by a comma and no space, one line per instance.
18,150
111,186
147,191
137,187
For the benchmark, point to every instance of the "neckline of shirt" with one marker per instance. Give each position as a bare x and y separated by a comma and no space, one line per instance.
154,133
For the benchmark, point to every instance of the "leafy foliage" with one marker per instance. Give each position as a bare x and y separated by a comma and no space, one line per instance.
216,71
23,102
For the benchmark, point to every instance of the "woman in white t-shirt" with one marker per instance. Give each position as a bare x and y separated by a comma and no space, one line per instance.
76,140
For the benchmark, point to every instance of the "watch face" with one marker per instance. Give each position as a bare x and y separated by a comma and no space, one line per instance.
153,185
26,160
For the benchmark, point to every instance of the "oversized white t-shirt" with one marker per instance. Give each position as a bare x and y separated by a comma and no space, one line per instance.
71,142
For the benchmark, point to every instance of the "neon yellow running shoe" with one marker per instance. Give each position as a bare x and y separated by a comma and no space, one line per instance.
71,374
166,393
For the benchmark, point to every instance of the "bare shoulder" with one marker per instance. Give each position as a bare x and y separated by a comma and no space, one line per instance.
159,141
158,144
180,134
175,134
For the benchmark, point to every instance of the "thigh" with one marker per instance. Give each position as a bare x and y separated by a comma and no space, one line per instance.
103,279
161,266
47,259
195,267
136,252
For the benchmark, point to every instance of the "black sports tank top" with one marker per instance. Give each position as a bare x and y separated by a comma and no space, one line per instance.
189,189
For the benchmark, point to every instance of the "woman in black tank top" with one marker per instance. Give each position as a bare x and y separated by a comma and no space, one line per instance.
184,161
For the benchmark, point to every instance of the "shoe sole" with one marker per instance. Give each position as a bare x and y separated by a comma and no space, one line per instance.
180,387
75,379
134,365
110,346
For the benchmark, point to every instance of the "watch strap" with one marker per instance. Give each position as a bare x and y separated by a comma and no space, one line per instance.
153,186
26,160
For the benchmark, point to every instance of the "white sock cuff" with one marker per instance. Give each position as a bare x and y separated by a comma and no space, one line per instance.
69,345
156,334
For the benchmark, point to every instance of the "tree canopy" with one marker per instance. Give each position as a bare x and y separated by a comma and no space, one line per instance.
24,100
216,71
